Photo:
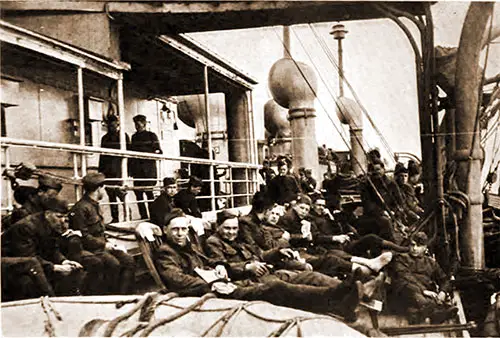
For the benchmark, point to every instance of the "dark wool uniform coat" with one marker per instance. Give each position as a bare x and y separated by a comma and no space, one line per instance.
146,142
283,189
187,201
111,166
86,216
160,208
33,237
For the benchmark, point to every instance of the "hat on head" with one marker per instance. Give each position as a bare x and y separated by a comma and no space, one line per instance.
169,181
112,118
93,181
49,182
226,214
57,204
174,213
139,117
400,169
420,238
195,182
413,168
261,201
302,198
23,192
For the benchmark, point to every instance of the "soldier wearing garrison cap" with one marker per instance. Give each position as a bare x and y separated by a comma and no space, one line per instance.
118,267
147,142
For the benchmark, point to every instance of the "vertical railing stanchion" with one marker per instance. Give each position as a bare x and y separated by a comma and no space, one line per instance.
247,185
78,194
123,142
231,186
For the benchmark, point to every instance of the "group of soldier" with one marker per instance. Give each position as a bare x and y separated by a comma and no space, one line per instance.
297,247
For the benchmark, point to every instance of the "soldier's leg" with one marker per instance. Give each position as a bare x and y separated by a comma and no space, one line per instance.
112,195
330,264
24,277
139,194
69,285
127,271
111,272
374,244
342,299
309,278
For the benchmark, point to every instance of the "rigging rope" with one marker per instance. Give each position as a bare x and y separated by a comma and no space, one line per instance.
330,56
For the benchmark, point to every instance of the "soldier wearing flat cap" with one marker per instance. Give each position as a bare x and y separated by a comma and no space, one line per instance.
147,142
39,236
420,284
111,166
118,267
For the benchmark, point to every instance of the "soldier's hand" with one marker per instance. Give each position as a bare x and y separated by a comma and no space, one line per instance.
286,236
221,272
431,294
64,270
340,239
441,296
223,288
288,253
73,264
257,268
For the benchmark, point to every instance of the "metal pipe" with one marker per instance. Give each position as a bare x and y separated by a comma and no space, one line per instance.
468,152
341,68
209,137
287,52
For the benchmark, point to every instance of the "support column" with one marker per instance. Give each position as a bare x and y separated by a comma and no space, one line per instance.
304,145
81,118
209,138
358,160
123,142
239,138
468,151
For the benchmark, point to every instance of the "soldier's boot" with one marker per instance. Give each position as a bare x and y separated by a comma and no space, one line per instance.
127,280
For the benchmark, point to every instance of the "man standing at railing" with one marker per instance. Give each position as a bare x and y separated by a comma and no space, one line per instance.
143,141
111,166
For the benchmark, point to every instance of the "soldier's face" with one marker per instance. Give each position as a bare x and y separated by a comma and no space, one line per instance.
228,230
171,189
413,179
283,170
302,209
272,216
177,231
195,190
140,125
58,221
378,170
417,250
319,208
402,178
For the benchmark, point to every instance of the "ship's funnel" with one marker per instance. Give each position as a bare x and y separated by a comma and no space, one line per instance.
191,111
